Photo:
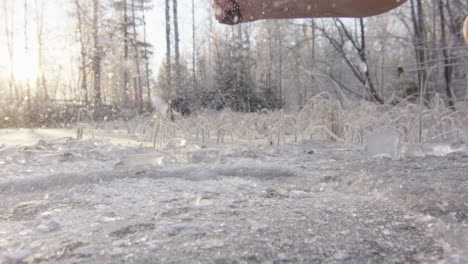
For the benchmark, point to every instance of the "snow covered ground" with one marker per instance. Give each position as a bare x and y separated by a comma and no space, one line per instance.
114,200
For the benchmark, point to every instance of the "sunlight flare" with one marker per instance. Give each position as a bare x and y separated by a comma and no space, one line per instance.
24,66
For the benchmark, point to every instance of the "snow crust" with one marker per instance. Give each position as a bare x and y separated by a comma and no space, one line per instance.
100,201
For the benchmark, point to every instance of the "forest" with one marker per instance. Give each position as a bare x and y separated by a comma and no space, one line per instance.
99,57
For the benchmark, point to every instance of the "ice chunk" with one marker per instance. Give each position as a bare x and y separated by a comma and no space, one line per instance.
7,151
47,225
459,155
160,105
96,155
203,156
412,151
212,243
54,158
16,257
135,160
443,149
176,143
384,142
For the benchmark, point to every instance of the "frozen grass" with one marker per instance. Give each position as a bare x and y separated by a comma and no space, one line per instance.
328,119
322,118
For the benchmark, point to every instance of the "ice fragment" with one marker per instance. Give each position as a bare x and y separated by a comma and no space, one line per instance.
203,156
383,142
141,159
47,225
412,151
176,142
16,257
442,149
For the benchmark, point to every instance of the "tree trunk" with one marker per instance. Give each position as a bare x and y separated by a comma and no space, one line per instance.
419,40
138,88
41,86
448,69
84,81
146,55
26,49
126,82
312,63
363,57
312,52
280,65
194,48
9,32
176,49
168,46
96,56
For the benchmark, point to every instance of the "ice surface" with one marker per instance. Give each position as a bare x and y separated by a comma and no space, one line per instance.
384,142
308,202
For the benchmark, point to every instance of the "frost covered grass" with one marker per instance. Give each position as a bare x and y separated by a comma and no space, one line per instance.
351,122
322,118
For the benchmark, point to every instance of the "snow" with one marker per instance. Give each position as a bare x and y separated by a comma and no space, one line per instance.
112,199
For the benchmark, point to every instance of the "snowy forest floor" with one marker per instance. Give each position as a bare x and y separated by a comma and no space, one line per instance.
97,201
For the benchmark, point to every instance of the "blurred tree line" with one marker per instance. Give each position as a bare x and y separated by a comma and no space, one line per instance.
414,51
276,64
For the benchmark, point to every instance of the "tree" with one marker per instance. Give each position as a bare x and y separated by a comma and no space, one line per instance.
146,51
270,59
358,48
10,36
234,79
448,69
419,39
176,49
41,86
138,87
194,48
168,45
280,65
83,52
26,49
126,88
97,56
